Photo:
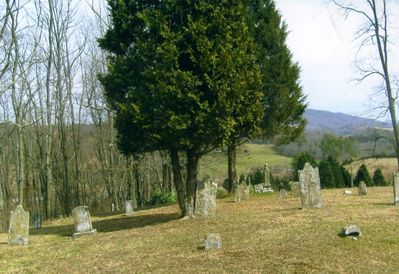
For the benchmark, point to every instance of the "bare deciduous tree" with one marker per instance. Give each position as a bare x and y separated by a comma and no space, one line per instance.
374,35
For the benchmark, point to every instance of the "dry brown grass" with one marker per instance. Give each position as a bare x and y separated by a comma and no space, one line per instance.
263,235
388,166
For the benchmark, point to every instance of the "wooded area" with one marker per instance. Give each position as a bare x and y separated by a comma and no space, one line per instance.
57,141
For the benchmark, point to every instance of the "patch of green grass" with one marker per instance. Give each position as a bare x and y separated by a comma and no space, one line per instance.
262,235
248,156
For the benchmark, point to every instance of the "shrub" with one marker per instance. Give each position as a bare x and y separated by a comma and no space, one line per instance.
363,175
221,192
327,179
347,177
257,177
162,197
337,171
378,178
299,161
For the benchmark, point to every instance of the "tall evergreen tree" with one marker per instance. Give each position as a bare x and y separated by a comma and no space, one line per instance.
337,171
280,83
378,178
327,179
177,70
299,161
363,175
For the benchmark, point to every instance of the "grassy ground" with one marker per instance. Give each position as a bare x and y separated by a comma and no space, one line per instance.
388,166
248,156
263,235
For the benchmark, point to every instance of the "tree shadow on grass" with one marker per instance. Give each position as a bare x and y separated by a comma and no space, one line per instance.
110,225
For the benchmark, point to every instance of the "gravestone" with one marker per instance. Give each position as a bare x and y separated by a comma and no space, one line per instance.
309,182
347,192
351,230
212,241
282,194
37,220
18,232
205,201
81,219
396,188
266,174
242,193
129,208
112,207
362,189
295,189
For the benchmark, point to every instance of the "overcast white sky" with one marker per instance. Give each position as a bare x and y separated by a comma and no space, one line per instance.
321,40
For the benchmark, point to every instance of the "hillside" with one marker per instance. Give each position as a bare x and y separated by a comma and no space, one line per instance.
262,235
248,156
339,123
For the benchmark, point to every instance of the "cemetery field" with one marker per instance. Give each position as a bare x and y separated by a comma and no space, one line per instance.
248,156
263,234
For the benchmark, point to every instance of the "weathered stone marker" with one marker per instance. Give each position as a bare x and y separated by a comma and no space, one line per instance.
362,188
242,192
37,220
205,201
282,194
295,189
266,172
351,230
81,219
129,208
396,189
18,233
347,192
309,182
212,241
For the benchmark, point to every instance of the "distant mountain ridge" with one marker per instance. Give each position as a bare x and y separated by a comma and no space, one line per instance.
339,123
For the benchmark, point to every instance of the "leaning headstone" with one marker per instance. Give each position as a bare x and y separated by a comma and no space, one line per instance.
205,201
309,182
18,232
351,230
362,188
212,241
295,189
81,219
396,188
282,194
129,208
266,172
37,220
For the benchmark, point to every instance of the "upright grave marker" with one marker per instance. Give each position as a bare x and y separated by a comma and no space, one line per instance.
129,208
396,189
309,182
18,233
81,218
205,201
362,188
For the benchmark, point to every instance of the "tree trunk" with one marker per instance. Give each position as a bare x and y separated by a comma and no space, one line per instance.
232,167
192,174
178,181
137,177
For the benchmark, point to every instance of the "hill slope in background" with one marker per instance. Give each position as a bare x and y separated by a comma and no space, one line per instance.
339,123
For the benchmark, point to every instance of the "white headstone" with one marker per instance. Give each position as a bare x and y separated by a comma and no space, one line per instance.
129,208
81,218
